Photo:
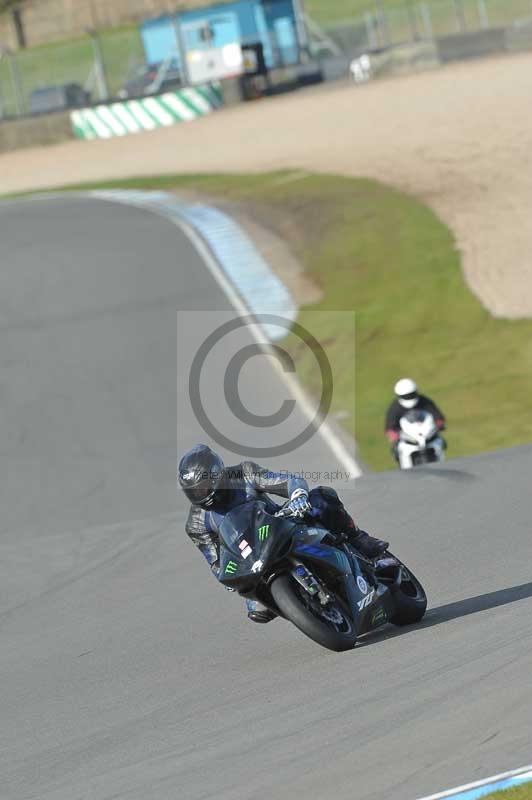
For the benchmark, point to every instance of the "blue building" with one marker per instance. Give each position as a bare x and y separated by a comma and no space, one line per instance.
273,23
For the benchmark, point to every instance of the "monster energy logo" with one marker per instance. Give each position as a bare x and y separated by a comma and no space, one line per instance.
231,567
379,616
263,532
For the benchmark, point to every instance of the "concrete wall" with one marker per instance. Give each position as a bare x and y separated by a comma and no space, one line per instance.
46,129
476,44
518,37
405,58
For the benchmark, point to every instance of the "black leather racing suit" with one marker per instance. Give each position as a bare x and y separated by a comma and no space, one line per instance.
396,412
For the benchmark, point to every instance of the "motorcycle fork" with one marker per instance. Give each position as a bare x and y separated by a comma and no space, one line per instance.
310,583
340,562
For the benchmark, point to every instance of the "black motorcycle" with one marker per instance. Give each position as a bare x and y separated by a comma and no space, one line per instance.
322,584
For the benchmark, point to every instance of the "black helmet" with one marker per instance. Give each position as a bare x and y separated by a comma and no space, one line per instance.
200,474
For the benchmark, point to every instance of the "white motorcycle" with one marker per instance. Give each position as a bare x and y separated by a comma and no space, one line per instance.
420,441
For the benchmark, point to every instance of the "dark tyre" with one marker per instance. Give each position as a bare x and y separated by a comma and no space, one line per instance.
425,457
327,625
410,600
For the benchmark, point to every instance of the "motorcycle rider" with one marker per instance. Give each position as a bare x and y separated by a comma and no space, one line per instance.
214,490
407,397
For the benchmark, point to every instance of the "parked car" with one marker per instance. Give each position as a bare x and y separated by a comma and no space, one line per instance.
153,79
58,98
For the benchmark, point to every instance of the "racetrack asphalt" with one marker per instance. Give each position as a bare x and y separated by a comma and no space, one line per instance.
125,670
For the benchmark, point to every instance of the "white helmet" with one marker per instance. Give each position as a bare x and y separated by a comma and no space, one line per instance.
407,393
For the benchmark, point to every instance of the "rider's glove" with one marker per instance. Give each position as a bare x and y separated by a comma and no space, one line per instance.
299,504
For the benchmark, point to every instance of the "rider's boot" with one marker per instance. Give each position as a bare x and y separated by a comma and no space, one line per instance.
259,613
368,545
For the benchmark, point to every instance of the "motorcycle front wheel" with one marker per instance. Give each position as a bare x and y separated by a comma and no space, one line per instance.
327,625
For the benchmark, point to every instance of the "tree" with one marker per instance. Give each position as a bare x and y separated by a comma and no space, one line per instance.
5,5
14,7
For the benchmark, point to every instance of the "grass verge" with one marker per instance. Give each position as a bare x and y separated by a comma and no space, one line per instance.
386,256
499,11
519,793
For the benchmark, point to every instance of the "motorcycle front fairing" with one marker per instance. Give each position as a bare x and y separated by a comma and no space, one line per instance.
251,539
254,544
420,440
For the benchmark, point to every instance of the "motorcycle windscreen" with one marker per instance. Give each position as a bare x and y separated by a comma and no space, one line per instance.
251,539
417,415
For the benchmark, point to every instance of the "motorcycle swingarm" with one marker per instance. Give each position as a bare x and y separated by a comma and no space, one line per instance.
392,582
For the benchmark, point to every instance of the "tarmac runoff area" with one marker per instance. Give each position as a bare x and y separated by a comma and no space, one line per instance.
127,672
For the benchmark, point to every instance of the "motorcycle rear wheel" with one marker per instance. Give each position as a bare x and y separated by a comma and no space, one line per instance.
328,625
410,601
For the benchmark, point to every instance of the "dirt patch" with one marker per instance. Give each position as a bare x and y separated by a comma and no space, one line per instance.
459,138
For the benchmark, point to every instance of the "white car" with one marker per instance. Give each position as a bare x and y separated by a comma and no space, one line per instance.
420,441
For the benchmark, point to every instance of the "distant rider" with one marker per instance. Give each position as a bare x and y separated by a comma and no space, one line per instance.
406,398
214,490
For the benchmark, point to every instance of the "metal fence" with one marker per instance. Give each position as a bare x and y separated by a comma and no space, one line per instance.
412,21
103,62
100,63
